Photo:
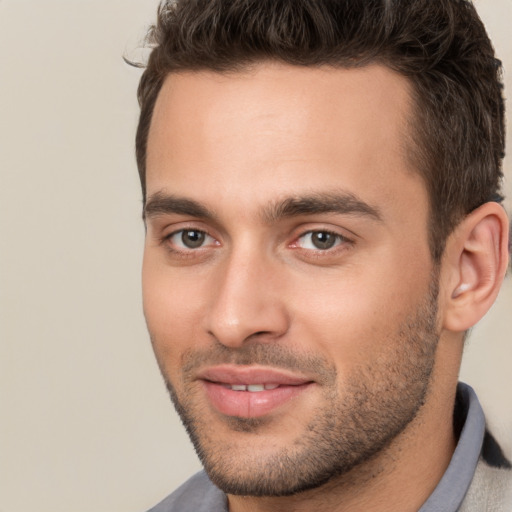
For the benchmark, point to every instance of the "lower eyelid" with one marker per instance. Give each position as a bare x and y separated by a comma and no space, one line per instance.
179,248
178,235
340,239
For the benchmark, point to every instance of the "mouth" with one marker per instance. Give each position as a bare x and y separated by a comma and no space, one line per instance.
252,388
251,392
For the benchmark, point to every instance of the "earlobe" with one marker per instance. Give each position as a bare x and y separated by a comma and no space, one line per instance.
476,258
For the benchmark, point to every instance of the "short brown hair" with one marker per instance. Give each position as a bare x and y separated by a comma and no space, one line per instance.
441,46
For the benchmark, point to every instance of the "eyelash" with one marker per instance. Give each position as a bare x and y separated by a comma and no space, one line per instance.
184,251
341,242
339,239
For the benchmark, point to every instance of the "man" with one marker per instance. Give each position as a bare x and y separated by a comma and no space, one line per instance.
321,185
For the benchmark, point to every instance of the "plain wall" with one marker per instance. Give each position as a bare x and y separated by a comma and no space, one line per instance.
85,422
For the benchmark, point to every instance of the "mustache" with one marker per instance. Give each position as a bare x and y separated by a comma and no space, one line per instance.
264,354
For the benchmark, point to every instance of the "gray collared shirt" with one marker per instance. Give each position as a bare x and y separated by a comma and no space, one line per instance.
450,491
199,494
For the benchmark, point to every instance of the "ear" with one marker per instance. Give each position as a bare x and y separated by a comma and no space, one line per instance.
474,264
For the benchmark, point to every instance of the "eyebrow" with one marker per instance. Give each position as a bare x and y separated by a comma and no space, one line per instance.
344,203
163,204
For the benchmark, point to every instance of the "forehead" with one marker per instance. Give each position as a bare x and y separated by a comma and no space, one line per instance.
277,130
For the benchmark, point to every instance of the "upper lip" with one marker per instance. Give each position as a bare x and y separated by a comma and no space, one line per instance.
236,374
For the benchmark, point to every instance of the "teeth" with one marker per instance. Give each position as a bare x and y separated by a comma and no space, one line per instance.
253,388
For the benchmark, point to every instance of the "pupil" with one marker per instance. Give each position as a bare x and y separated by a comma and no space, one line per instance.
322,240
192,239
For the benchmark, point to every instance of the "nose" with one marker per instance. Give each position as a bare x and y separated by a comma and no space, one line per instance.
247,302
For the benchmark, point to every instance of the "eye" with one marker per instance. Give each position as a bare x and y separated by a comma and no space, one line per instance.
190,239
320,240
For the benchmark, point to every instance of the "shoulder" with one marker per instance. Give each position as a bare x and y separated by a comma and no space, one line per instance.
491,487
198,494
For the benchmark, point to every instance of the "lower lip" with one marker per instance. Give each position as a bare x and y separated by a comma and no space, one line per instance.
249,404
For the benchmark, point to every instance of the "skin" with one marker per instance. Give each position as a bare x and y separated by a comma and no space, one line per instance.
258,292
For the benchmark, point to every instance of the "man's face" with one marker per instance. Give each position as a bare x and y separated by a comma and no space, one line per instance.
287,278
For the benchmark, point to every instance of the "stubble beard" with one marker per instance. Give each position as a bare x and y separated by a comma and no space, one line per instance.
349,429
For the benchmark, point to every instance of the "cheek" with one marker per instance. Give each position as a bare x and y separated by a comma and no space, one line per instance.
172,308
355,319
345,327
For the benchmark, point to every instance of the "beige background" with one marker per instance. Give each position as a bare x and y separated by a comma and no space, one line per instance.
85,423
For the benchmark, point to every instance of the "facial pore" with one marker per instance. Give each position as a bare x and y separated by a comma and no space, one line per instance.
352,424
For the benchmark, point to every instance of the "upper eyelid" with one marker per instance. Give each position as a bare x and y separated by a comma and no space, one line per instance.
329,231
177,227
342,238
346,235
350,237
173,247
181,230
187,228
328,225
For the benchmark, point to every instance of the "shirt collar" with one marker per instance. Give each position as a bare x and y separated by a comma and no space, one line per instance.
450,492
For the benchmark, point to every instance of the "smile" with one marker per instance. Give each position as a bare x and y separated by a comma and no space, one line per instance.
249,391
253,388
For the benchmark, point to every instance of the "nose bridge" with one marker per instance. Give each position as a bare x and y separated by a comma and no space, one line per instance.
245,302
